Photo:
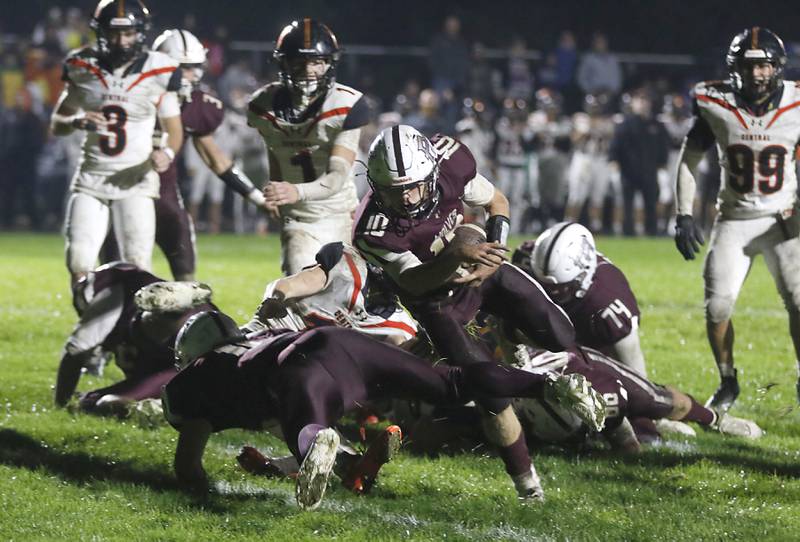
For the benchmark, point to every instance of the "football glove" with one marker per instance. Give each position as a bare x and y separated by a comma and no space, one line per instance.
688,237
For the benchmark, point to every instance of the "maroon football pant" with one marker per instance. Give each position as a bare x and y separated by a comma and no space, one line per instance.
330,372
134,389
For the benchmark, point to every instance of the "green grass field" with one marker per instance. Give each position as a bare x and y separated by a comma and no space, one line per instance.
79,477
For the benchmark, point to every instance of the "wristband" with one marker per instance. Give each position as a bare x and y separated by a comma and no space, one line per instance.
169,152
497,229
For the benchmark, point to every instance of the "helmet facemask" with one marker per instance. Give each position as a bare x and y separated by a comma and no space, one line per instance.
189,84
756,89
410,199
307,77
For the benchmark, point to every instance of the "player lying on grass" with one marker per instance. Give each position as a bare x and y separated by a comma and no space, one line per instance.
597,297
308,380
122,311
340,291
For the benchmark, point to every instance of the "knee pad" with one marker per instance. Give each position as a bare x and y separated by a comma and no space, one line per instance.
502,429
719,308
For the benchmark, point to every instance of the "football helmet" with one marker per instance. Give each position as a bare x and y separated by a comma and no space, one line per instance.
184,47
753,46
116,15
564,259
403,172
307,53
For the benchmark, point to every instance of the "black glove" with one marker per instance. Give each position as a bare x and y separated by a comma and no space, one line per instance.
688,237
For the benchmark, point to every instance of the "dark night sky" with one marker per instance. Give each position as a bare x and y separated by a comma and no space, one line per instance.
680,26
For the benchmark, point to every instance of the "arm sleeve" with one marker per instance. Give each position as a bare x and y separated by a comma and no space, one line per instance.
628,350
685,183
478,192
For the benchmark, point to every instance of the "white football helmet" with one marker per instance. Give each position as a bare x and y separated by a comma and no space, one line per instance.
184,47
564,260
403,169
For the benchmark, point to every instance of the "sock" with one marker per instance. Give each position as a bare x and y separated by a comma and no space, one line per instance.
726,370
306,437
515,457
700,414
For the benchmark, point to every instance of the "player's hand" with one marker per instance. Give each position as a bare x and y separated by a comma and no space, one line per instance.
479,274
273,307
491,254
92,121
688,237
271,210
160,160
279,193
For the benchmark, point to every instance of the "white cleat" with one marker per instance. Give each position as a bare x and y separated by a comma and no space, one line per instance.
148,413
675,427
575,393
172,296
312,478
739,427
529,486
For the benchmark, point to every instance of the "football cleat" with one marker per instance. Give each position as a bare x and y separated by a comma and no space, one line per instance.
147,413
575,393
254,462
726,394
361,476
172,296
96,364
738,427
673,426
529,486
312,478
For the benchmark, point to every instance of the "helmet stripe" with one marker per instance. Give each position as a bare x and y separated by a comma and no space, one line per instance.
121,8
185,46
552,246
398,153
754,38
307,33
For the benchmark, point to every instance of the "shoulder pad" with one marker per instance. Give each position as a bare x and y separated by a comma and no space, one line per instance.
157,59
329,255
456,156
359,115
344,95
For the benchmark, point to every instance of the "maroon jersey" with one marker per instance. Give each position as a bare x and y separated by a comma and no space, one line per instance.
200,116
608,312
395,244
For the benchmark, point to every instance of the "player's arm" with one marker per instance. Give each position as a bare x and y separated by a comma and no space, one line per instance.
192,439
282,292
628,351
169,116
688,236
343,154
67,115
221,164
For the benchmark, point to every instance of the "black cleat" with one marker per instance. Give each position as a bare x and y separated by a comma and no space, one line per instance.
726,394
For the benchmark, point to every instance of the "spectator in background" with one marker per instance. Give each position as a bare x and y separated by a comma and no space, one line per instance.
485,83
449,58
12,80
408,100
520,77
638,151
217,49
426,118
566,55
599,70
21,139
76,31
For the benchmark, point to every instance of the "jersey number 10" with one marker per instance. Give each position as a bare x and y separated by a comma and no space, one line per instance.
744,164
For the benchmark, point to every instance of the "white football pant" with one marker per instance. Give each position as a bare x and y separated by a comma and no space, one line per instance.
300,241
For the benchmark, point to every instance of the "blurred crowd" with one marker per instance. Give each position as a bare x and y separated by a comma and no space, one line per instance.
568,133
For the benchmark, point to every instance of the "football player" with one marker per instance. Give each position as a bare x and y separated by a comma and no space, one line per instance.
120,312
309,379
409,226
311,126
114,92
337,291
201,114
754,120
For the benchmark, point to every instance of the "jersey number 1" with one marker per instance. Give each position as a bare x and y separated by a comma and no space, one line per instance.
303,159
743,168
116,117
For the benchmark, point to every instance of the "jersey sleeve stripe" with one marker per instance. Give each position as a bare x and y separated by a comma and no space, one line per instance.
326,114
264,114
395,325
781,111
356,282
151,73
726,105
94,69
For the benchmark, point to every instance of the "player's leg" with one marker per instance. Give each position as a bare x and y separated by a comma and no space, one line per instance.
216,195
783,261
134,221
578,183
86,225
175,232
300,241
726,267
116,399
518,299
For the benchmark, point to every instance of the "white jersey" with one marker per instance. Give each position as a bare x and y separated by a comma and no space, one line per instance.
756,152
299,151
115,161
341,302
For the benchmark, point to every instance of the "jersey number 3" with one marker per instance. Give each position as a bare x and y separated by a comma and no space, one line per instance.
744,165
113,142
